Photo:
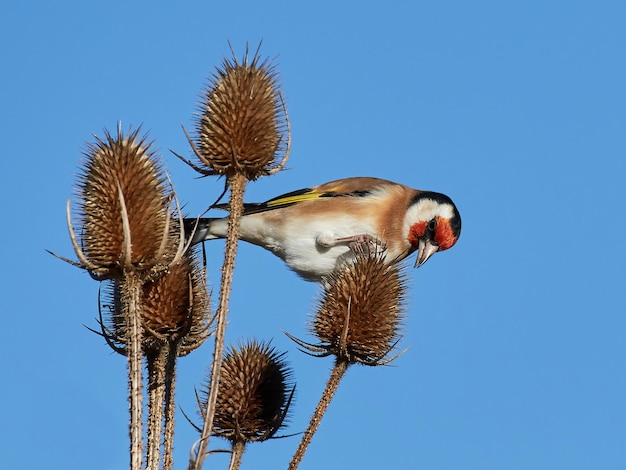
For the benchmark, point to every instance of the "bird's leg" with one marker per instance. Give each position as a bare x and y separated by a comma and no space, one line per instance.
361,238
366,245
360,242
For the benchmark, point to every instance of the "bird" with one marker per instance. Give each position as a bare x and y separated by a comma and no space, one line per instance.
314,230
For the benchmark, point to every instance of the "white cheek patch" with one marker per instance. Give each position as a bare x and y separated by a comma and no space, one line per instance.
425,210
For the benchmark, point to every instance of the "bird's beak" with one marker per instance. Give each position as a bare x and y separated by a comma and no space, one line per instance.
426,249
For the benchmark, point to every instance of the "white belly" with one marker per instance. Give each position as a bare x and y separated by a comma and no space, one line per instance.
298,245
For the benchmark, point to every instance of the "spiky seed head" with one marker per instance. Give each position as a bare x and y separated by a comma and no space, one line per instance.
121,171
360,311
199,320
175,307
166,299
254,393
242,124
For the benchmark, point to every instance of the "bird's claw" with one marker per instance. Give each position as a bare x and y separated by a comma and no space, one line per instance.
365,244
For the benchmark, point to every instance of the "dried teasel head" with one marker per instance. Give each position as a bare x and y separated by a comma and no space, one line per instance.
242,126
360,311
123,208
254,394
175,308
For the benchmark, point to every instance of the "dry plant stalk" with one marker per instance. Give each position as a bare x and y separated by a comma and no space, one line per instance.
125,234
357,321
125,218
253,399
242,132
131,306
175,320
129,236
156,392
176,313
236,209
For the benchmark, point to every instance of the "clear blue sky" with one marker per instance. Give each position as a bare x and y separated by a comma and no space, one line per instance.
517,110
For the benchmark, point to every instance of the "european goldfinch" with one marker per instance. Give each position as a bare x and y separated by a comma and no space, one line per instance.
315,229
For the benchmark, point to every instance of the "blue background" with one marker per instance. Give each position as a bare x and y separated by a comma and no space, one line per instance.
516,109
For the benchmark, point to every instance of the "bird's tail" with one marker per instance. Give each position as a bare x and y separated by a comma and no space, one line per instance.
199,229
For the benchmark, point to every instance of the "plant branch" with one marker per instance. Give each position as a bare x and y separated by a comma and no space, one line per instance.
131,295
237,453
237,188
156,388
341,365
170,385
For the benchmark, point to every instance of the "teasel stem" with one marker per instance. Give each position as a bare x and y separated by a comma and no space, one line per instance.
237,183
236,456
337,373
156,390
131,300
170,384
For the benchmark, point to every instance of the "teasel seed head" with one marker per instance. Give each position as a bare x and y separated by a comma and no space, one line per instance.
242,126
254,393
123,207
360,311
175,307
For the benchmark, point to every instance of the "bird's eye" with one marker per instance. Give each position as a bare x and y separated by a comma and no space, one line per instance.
432,225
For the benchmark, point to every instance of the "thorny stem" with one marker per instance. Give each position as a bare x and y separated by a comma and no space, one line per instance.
131,299
170,383
156,389
237,453
237,187
341,365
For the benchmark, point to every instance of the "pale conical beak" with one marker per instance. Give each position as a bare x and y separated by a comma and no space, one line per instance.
425,249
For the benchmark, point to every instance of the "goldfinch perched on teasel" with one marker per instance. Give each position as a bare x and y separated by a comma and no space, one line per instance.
314,229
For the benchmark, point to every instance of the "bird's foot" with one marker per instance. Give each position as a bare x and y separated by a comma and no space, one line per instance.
365,244
361,244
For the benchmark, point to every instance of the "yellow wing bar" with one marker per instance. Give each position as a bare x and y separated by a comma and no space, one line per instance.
293,198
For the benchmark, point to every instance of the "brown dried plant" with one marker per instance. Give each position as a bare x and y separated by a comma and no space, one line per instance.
358,319
242,125
175,309
125,235
175,321
360,312
243,134
254,395
123,209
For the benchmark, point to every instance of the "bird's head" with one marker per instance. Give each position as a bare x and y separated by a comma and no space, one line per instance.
433,224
